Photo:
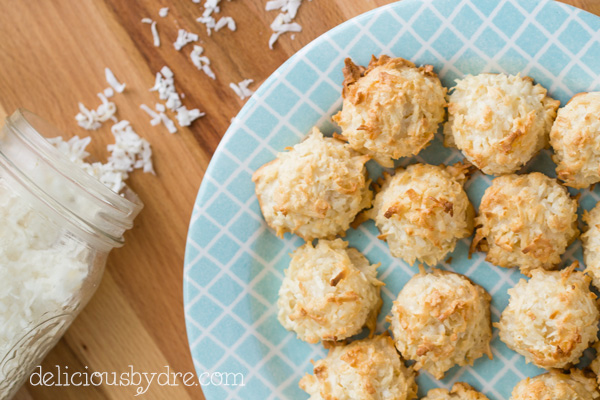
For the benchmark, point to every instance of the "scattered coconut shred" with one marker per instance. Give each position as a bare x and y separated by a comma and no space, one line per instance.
201,62
184,37
129,151
283,22
210,7
40,272
155,36
165,86
241,89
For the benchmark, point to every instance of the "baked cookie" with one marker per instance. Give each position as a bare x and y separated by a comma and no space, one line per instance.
595,365
368,369
498,121
551,318
392,109
460,391
591,244
525,221
422,211
329,292
314,190
575,138
555,385
441,319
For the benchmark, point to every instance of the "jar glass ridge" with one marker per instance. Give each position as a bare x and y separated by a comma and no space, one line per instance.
57,226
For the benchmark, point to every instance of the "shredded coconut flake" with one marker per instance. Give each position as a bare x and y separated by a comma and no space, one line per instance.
109,92
283,22
113,82
225,21
165,86
93,119
163,12
207,18
155,37
185,117
129,152
201,62
184,37
241,89
41,269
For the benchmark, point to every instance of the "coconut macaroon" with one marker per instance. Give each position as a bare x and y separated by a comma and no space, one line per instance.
314,190
329,292
499,121
595,365
460,391
392,109
368,369
550,319
555,385
441,319
575,138
525,221
591,244
422,211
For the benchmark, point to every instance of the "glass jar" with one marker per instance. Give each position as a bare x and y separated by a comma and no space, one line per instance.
57,226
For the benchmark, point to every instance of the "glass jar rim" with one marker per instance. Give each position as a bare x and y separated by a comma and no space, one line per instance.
117,212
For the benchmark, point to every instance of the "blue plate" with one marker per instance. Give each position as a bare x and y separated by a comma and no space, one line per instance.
234,264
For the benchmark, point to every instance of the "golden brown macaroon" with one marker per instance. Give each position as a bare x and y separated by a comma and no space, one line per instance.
551,318
555,385
314,190
329,292
460,391
368,369
499,121
525,221
575,138
422,211
392,109
591,244
595,365
441,319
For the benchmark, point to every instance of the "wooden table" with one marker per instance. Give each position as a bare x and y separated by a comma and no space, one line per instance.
52,55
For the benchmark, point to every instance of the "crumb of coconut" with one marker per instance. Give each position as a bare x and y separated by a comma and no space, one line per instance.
283,22
163,12
168,122
185,117
159,116
165,86
201,62
93,119
225,22
184,37
129,152
155,37
241,89
111,79
208,20
109,92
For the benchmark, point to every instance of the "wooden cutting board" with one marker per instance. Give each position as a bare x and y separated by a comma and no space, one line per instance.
52,55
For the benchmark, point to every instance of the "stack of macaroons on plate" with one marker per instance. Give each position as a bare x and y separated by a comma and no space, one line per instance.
330,292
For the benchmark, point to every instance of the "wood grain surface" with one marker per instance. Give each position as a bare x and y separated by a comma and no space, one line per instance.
52,55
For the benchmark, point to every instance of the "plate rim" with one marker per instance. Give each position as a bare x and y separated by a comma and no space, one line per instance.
251,104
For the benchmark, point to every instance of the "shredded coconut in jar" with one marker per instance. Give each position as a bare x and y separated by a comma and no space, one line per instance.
41,269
